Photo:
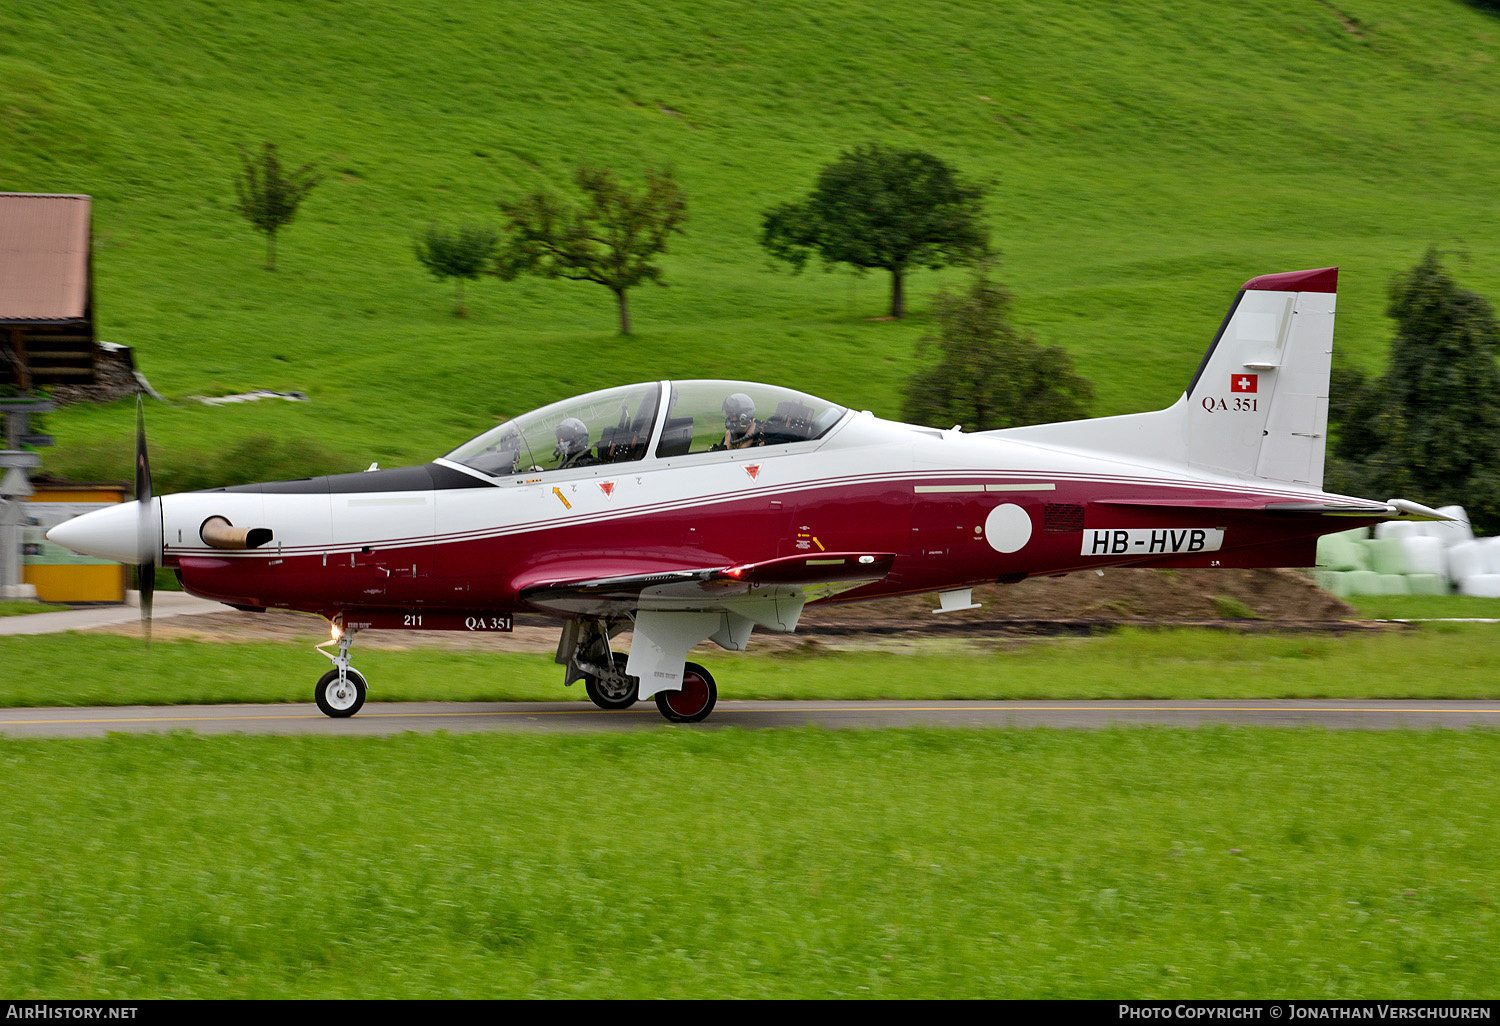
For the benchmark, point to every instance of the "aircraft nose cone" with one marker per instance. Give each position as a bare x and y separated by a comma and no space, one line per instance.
109,533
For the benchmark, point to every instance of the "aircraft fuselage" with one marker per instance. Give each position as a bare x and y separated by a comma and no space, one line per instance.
956,510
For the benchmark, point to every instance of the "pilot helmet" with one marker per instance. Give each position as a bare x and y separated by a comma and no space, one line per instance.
572,437
739,412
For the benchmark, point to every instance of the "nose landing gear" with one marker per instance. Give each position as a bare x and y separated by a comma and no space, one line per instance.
340,691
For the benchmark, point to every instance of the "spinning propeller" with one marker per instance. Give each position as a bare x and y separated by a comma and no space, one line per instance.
148,521
127,532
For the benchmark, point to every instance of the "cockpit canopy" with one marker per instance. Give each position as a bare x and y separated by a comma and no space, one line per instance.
617,425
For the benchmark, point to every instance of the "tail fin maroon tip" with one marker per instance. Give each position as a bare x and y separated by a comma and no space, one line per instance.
1322,279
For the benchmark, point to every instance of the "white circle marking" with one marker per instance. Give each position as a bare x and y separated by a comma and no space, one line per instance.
1007,528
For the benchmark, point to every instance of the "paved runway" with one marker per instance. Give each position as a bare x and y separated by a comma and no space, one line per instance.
167,604
378,718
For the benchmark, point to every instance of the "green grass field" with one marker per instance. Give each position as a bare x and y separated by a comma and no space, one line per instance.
1425,607
1436,661
25,608
1215,863
1143,161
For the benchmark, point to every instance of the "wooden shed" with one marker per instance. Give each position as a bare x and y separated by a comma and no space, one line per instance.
46,290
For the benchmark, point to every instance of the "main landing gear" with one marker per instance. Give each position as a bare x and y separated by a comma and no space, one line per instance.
695,701
613,688
340,691
586,651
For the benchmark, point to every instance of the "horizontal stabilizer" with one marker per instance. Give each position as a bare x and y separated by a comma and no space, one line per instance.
1352,508
1334,509
1416,511
1395,509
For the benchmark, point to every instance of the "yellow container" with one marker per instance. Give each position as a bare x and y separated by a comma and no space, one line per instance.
57,574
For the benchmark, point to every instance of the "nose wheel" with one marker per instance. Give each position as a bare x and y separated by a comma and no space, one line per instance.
341,697
340,691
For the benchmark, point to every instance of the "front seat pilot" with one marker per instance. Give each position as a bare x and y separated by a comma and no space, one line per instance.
572,444
741,429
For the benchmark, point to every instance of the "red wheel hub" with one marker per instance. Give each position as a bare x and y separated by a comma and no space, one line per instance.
692,698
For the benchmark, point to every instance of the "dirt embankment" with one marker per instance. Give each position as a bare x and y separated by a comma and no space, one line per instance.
1081,602
1130,596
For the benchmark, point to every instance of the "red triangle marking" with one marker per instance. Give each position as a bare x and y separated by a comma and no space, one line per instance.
607,487
753,470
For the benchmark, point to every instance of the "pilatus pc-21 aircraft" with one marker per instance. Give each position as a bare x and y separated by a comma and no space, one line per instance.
693,510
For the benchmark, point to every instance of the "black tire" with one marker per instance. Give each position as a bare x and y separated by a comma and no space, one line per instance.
603,698
695,701
336,704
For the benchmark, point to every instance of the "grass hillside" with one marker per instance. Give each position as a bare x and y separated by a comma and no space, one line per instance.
1143,160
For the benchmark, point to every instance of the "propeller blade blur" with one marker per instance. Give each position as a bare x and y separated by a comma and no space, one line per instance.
146,544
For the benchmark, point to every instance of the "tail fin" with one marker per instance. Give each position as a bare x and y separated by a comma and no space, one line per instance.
1258,406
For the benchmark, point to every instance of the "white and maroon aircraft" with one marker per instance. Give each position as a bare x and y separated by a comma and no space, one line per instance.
693,510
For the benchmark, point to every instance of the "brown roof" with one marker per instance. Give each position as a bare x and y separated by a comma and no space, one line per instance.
44,257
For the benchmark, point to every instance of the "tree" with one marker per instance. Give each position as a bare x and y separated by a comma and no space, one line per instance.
1430,428
988,373
462,253
268,196
877,207
611,239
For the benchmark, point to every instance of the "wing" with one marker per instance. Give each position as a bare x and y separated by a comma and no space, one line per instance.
574,591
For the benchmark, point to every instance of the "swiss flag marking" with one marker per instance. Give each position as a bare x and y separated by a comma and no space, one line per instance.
1244,383
753,470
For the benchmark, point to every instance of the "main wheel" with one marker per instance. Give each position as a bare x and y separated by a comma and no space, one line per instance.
696,699
340,700
608,695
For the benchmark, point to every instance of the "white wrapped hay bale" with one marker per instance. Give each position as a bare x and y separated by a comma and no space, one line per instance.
1333,581
1362,582
1480,586
1450,532
1397,529
1392,584
1386,555
1465,560
1491,549
1427,584
1336,552
1424,555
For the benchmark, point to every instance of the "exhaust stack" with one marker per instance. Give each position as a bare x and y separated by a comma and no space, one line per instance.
219,533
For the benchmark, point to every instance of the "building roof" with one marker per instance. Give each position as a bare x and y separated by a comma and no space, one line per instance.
44,257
